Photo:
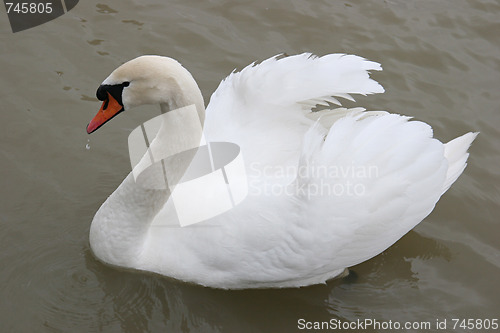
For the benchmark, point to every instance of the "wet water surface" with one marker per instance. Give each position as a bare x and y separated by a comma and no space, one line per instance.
441,65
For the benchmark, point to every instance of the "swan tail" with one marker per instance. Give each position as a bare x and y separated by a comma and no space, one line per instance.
456,153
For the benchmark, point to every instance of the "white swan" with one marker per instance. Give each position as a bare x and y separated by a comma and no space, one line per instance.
290,237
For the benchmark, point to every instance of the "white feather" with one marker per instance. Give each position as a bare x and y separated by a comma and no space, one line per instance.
305,233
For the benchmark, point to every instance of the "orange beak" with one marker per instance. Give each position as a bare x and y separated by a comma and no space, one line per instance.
110,108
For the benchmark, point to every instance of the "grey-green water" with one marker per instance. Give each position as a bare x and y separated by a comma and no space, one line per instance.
441,64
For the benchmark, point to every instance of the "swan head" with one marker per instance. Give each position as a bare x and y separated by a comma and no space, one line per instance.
147,79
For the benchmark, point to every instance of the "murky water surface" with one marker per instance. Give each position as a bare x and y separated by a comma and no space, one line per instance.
441,64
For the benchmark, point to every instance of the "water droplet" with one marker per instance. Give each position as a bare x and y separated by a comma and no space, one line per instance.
87,146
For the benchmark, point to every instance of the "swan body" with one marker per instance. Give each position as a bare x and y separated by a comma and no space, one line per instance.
382,174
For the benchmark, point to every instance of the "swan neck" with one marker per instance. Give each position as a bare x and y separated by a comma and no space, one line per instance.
120,227
190,94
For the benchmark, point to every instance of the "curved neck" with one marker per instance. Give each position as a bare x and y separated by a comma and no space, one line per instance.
185,92
119,230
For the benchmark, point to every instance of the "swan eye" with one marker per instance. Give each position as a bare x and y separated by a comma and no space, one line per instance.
114,90
101,92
